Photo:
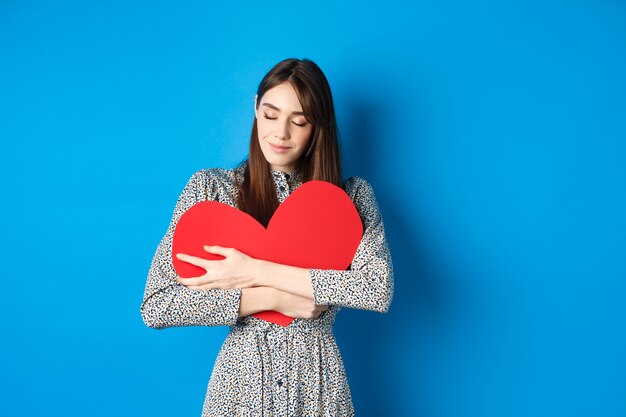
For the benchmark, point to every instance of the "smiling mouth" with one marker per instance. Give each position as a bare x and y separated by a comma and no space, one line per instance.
279,148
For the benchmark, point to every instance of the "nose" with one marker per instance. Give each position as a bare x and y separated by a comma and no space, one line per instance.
282,131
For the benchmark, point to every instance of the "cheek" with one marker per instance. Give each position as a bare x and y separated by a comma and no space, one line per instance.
260,128
263,126
264,132
305,137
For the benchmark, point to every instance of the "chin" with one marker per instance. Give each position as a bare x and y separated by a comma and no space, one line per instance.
282,161
279,163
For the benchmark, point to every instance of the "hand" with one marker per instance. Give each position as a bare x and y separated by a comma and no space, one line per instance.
236,270
295,306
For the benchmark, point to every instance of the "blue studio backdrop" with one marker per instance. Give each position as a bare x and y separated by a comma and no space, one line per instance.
494,135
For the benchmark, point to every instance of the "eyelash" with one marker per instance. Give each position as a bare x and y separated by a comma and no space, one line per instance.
274,118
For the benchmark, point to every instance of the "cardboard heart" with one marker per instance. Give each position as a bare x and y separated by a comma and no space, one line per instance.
317,226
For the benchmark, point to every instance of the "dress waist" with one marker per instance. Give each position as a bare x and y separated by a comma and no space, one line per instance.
320,325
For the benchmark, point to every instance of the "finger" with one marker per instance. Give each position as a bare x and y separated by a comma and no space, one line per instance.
194,260
185,281
218,250
181,279
196,287
203,287
195,281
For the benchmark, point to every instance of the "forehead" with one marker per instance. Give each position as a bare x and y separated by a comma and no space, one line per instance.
284,97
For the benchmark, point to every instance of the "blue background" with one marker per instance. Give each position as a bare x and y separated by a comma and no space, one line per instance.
494,135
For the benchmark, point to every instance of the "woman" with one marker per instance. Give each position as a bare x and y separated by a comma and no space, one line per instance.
263,368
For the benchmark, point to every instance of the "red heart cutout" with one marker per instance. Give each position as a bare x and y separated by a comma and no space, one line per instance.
317,226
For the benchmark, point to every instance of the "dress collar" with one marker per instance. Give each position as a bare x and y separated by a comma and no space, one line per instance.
292,175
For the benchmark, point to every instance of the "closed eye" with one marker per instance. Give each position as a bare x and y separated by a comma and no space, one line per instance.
269,118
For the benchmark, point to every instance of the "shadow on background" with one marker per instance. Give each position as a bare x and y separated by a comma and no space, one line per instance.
379,350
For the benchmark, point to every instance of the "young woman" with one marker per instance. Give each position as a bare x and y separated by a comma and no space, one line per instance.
264,369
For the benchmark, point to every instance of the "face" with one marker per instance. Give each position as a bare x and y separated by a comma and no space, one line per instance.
284,132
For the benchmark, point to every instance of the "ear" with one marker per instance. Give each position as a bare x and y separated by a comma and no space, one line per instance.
255,103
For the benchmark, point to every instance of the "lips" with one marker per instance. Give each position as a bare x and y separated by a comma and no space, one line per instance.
279,149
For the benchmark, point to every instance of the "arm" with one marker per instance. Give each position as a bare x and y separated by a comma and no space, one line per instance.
168,303
256,299
286,278
368,284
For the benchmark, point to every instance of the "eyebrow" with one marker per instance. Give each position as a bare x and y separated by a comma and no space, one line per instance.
271,106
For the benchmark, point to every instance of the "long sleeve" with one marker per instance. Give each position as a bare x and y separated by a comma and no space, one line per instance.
368,284
168,303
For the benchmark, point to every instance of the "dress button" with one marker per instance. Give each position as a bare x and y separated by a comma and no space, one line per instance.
282,188
280,382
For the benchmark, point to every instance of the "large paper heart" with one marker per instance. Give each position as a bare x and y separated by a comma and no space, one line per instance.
317,226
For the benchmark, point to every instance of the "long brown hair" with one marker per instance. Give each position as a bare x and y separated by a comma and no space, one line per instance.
321,160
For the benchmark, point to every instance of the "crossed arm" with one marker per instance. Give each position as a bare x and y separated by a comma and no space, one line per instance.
239,285
264,285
